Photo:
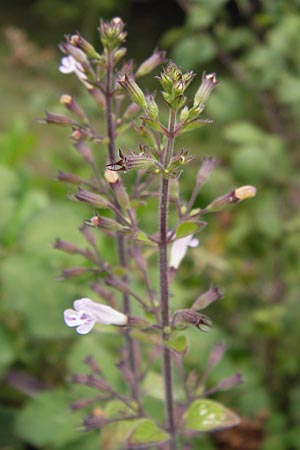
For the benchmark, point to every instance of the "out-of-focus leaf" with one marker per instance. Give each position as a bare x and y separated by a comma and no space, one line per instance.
194,50
147,432
187,228
47,421
178,344
208,415
153,386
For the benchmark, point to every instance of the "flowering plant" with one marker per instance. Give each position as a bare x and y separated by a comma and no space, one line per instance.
157,165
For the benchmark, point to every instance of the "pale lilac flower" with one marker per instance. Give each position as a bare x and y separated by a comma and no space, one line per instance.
86,313
179,249
69,65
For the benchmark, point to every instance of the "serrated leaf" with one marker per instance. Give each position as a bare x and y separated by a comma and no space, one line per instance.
187,228
208,415
147,432
179,344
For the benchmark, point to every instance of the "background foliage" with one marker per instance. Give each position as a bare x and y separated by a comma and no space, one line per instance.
252,251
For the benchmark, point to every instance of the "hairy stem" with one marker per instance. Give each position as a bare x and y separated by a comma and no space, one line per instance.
121,244
164,283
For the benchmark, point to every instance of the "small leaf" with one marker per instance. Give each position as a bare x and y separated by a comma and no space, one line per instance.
208,415
153,386
187,228
179,344
147,432
116,408
142,237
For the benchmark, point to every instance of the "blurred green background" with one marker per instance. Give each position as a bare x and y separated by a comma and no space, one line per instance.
251,251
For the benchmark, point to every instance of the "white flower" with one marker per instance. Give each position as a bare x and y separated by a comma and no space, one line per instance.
179,249
87,313
69,65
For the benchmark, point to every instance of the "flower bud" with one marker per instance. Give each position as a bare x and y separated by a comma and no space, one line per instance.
69,102
69,177
207,298
227,383
98,96
73,272
65,246
135,92
58,119
244,192
151,63
184,317
121,195
209,82
207,166
85,151
98,201
112,33
152,108
78,41
131,110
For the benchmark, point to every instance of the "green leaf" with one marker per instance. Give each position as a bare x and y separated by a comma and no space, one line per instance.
147,432
116,408
208,415
153,386
187,228
179,344
142,237
115,434
47,421
194,50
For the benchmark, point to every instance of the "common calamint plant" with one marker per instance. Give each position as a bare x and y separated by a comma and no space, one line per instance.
155,330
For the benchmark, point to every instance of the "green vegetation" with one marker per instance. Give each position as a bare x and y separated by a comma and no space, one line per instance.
251,252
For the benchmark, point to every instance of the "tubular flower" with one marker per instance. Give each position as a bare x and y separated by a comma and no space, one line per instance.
86,313
69,65
179,249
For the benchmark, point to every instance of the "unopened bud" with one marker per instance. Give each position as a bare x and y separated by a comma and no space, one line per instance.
207,298
111,176
98,96
227,383
244,192
69,102
57,119
207,166
135,92
131,110
112,33
68,177
151,63
73,272
85,151
121,195
79,55
98,201
65,246
78,41
209,82
152,108
138,322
